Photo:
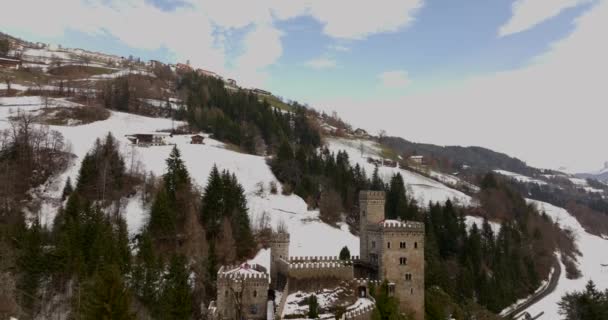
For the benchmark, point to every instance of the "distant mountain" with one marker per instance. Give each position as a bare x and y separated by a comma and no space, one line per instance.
601,175
479,159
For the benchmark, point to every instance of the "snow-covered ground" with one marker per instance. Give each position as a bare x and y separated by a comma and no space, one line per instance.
519,177
594,255
424,189
470,220
309,236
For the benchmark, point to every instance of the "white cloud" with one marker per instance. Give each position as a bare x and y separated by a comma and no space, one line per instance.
394,79
550,113
529,13
339,48
197,31
322,63
358,19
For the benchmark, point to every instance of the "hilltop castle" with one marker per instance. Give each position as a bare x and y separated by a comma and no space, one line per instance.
391,251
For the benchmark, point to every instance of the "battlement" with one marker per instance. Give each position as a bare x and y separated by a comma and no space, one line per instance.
280,237
371,195
236,276
366,282
244,271
320,259
401,226
360,313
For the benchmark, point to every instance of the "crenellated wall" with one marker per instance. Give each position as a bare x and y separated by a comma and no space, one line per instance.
340,270
364,313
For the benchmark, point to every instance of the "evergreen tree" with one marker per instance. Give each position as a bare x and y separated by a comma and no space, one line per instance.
163,220
32,263
589,304
345,253
67,189
377,184
212,203
313,307
107,297
387,307
176,295
177,175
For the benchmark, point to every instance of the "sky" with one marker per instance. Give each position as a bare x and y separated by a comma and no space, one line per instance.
524,77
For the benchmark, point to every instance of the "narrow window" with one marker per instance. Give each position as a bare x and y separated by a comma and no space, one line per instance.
255,293
415,245
391,289
388,245
373,244
402,245
411,290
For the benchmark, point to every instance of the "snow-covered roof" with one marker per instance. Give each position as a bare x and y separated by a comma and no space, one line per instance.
244,269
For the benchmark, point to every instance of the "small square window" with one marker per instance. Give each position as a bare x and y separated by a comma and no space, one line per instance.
403,261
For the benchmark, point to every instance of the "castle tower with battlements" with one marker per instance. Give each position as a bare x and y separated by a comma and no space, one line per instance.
242,292
279,250
396,249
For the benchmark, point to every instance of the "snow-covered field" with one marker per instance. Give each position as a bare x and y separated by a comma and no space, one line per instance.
594,254
478,221
424,189
309,236
519,177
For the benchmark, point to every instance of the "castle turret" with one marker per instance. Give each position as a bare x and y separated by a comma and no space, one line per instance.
371,212
279,250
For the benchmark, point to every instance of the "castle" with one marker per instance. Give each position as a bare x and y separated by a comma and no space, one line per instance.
391,251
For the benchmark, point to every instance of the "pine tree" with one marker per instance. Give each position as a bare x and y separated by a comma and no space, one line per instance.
163,220
313,307
377,184
176,296
146,273
32,263
212,203
67,190
345,253
107,297
177,175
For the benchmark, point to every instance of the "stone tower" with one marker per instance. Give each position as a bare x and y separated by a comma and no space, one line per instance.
371,211
396,249
279,249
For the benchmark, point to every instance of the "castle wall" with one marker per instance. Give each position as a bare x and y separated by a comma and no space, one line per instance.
250,289
319,270
407,277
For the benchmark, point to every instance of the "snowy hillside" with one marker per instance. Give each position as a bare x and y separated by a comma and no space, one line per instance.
594,256
424,189
250,171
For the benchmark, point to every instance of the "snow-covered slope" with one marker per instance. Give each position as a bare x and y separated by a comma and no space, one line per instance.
424,189
594,255
309,236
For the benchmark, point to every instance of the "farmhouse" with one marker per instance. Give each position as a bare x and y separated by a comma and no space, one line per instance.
197,139
148,139
417,159
261,92
207,73
10,63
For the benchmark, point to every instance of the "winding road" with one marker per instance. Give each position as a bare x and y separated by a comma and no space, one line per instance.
539,295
